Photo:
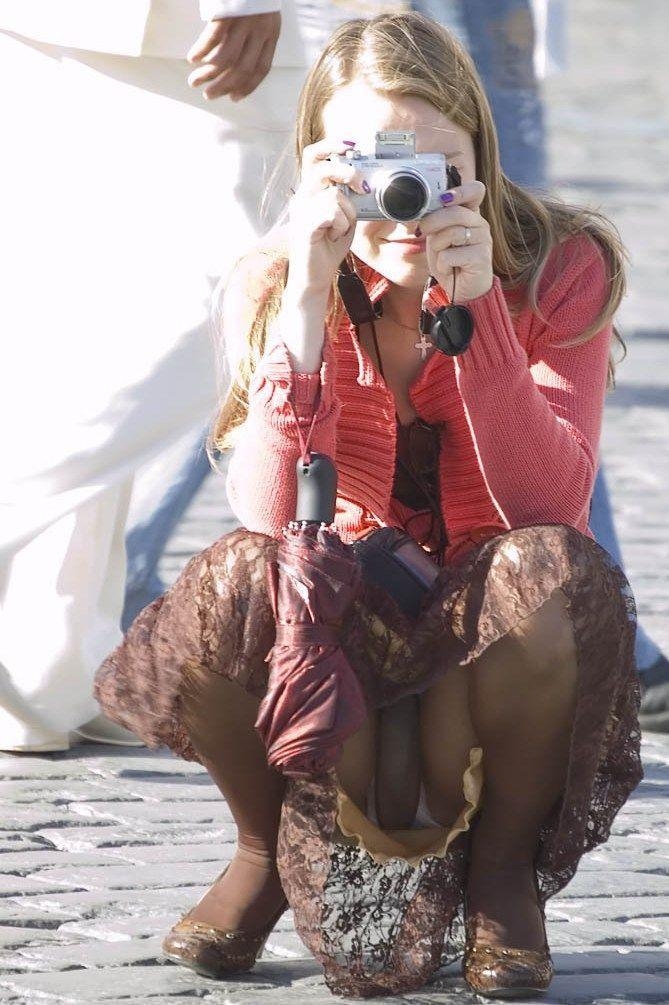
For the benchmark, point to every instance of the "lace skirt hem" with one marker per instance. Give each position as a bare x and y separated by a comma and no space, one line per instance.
378,927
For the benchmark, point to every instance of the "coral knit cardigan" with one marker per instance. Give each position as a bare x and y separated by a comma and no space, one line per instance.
519,412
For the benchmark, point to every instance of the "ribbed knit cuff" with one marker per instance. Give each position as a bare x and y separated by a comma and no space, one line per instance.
275,385
494,345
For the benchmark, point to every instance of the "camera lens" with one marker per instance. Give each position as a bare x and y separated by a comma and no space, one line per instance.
403,197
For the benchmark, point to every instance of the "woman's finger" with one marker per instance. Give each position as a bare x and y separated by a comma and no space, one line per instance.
458,235
327,173
451,214
323,211
349,209
455,258
470,193
321,150
340,225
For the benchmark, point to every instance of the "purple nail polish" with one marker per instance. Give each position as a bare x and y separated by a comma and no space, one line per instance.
447,197
366,186
348,143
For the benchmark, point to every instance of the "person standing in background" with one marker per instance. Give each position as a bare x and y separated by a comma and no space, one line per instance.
127,195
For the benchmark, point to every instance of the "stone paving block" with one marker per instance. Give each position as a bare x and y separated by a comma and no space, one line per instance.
20,841
101,835
596,988
101,903
212,811
133,983
120,928
646,828
206,852
88,954
653,860
56,790
600,933
137,982
139,763
659,925
186,792
28,914
29,818
616,884
24,862
11,937
12,885
55,765
606,908
128,876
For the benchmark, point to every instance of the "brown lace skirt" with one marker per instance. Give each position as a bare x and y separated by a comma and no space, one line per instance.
378,927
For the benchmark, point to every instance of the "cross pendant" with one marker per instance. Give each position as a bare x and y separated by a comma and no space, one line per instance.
423,345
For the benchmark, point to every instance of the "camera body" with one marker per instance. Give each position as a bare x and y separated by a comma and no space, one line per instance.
403,185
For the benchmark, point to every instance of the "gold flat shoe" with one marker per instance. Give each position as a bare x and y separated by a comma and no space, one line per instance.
505,972
216,952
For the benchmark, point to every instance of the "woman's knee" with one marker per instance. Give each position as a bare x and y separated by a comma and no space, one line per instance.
210,704
535,579
242,555
544,640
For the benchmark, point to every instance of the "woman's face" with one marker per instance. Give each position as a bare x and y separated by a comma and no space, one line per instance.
356,112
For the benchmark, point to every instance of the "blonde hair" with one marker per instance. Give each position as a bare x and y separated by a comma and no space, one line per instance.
409,54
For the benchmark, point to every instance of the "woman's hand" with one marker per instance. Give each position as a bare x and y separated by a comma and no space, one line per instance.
459,237
321,219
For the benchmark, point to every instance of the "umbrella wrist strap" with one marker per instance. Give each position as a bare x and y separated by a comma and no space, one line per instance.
305,441
306,635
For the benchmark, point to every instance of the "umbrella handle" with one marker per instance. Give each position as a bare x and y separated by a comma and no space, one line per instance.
316,489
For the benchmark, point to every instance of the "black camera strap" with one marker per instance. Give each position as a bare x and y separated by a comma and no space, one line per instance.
359,307
449,328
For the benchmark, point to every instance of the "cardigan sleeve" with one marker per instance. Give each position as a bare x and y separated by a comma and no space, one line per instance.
261,482
535,414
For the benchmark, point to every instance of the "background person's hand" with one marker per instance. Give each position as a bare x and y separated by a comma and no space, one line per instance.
234,54
449,245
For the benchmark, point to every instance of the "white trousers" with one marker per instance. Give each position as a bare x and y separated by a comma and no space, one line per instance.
124,198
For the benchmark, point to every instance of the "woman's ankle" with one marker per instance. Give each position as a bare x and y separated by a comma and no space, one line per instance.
502,897
246,896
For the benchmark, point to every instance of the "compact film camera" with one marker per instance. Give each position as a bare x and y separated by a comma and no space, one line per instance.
404,185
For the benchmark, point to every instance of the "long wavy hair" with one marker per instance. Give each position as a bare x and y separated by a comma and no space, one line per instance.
410,54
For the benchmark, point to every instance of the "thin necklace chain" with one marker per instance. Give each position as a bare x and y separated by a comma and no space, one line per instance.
423,346
409,328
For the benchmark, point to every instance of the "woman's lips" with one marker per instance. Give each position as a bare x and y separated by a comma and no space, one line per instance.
412,247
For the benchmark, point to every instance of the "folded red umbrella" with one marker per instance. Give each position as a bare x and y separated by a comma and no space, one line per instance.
314,700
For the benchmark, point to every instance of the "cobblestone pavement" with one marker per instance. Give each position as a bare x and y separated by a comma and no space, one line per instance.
102,847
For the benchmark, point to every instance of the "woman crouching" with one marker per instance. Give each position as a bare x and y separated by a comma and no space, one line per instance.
522,741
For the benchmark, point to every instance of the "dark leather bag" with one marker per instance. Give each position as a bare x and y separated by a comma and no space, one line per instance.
392,559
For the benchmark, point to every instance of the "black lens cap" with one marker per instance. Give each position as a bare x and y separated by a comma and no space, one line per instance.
452,329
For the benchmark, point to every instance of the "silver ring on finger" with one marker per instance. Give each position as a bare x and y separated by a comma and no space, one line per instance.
468,236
